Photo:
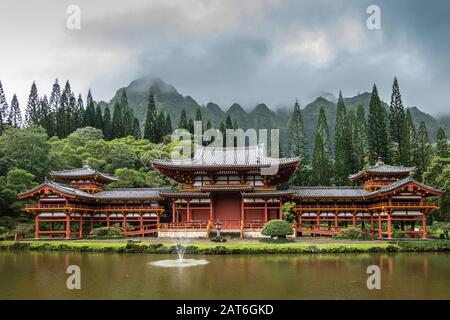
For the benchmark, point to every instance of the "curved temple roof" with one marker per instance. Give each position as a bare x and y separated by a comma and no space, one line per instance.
380,168
112,194
85,171
251,156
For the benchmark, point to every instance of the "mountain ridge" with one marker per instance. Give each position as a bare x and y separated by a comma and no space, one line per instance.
170,100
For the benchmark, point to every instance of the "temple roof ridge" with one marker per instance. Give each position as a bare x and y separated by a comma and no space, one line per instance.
84,171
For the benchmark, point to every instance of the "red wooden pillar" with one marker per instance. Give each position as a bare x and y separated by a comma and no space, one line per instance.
211,210
81,227
354,220
372,226
266,216
280,216
107,219
380,226
173,211
124,220
67,226
36,227
188,214
424,225
242,210
141,224
389,226
336,223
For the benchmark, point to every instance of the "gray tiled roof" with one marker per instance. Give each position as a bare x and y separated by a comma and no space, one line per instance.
329,192
118,193
85,171
61,188
131,193
262,193
381,168
237,156
186,194
402,182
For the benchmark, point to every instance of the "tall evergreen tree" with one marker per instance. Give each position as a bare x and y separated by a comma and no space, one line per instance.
183,124
411,140
208,125
397,126
62,124
223,131
136,129
442,148
107,124
4,109
32,111
343,138
150,129
55,97
351,163
359,139
377,134
321,162
297,137
117,122
89,113
98,118
127,114
168,124
79,112
15,116
65,96
191,126
160,125
72,116
47,120
423,151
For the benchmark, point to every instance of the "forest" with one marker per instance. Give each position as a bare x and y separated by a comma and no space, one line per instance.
63,132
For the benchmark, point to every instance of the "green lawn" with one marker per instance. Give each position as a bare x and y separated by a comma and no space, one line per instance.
232,247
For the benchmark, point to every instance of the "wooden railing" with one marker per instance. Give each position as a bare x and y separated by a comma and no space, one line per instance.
184,225
403,204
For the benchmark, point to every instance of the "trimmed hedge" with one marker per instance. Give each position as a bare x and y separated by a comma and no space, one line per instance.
131,247
277,229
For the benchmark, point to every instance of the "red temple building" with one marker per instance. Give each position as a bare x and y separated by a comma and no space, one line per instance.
233,186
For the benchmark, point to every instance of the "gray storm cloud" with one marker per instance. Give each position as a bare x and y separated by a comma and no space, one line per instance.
228,51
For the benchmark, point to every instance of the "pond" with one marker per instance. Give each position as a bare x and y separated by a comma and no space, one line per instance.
42,275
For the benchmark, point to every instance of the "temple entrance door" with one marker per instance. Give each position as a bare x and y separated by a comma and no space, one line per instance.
227,208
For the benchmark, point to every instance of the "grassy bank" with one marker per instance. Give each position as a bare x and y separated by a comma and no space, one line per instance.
228,248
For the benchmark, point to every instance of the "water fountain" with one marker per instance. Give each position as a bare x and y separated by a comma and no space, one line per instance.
181,262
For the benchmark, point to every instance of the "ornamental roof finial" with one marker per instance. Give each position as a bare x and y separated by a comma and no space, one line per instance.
379,162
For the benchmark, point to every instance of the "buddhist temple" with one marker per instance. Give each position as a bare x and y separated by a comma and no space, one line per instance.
231,189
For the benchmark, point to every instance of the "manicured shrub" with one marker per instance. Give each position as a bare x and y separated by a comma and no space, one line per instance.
105,232
277,229
350,233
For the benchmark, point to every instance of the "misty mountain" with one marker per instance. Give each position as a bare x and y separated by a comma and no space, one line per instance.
261,116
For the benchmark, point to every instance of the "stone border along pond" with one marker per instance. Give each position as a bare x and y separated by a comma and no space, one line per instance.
235,248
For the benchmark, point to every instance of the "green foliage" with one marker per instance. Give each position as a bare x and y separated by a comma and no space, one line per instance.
106,233
377,134
442,147
350,233
437,174
27,149
277,229
321,163
288,211
16,181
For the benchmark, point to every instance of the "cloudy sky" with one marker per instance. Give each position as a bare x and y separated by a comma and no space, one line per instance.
251,51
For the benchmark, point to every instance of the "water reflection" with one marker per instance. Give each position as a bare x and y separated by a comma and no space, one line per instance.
42,275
